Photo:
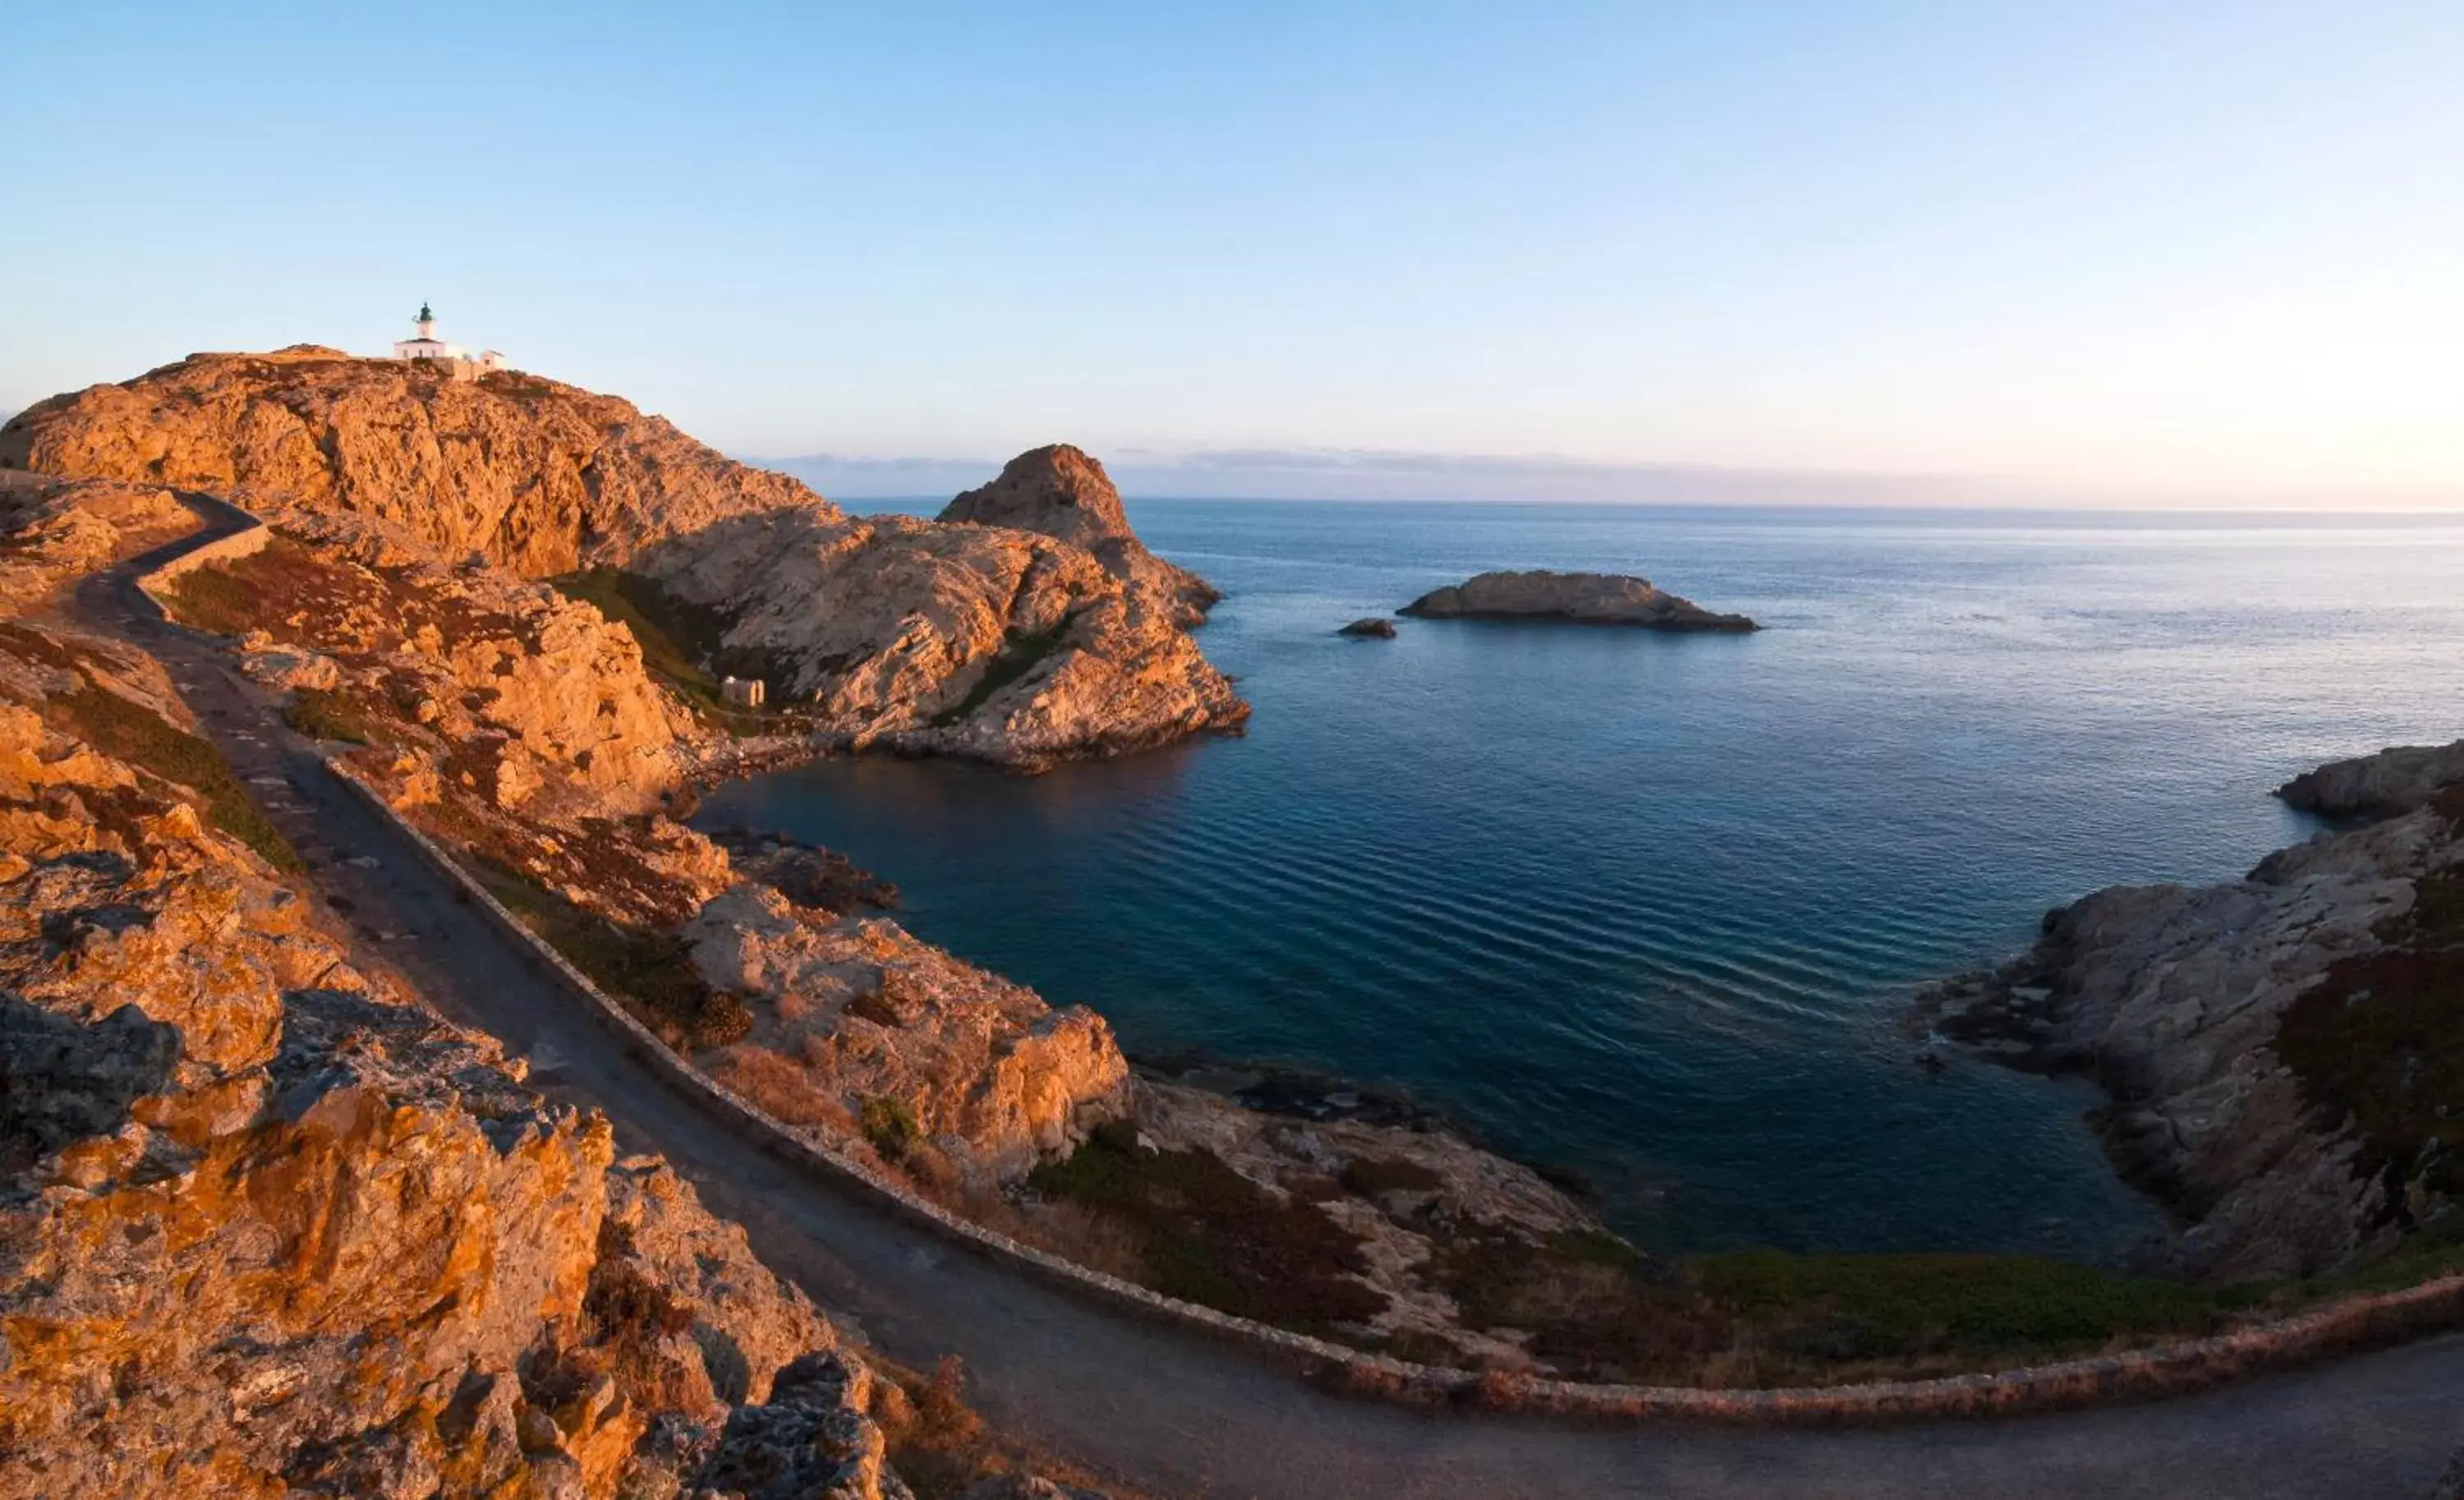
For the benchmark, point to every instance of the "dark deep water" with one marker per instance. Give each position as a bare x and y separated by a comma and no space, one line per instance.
1650,906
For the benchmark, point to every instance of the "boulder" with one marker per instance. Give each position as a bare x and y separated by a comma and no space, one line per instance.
2387,784
1374,628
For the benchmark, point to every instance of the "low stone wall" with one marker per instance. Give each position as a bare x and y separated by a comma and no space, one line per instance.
246,535
2167,1369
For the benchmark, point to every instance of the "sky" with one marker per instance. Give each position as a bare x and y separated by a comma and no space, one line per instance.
2197,250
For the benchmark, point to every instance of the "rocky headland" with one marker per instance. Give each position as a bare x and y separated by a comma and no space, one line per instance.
1577,598
1063,492
2283,1056
1031,628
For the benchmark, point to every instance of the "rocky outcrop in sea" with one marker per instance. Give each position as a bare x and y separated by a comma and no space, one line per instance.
1579,598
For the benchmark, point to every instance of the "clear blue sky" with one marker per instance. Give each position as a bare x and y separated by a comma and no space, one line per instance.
2181,244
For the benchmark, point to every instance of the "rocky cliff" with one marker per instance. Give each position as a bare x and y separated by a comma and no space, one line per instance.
55,531
1041,630
1062,492
986,641
2283,1056
270,1228
538,477
855,1011
1582,598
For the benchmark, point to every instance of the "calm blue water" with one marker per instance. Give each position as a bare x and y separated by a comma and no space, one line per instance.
1650,905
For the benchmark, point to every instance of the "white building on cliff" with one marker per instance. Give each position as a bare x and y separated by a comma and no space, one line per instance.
465,364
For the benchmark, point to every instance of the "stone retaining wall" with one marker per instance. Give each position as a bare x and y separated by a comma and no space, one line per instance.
248,536
2166,1369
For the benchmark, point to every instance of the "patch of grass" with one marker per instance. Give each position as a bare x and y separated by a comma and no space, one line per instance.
1019,656
676,637
212,599
1211,1236
890,1125
263,590
781,1088
2379,1042
1856,1307
1597,1310
326,714
653,970
126,731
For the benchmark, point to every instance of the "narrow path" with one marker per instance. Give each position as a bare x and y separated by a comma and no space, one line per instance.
1179,1414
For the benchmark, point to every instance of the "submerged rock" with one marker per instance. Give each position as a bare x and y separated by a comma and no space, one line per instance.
1582,598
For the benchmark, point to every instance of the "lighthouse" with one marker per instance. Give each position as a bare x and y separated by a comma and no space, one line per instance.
464,364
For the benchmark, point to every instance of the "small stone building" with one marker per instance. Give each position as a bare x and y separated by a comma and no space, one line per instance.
743,692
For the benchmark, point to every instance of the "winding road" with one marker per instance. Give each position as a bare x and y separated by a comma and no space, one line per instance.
1172,1413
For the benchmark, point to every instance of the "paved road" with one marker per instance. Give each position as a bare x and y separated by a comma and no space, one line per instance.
1179,1414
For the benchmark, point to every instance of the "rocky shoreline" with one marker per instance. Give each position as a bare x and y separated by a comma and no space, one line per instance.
2281,1058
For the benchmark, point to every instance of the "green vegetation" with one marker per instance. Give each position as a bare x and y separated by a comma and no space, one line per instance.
890,1125
216,599
1901,1305
1019,654
676,637
323,715
1211,1236
654,971
126,731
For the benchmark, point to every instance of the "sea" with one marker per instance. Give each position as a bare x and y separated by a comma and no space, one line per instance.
1654,908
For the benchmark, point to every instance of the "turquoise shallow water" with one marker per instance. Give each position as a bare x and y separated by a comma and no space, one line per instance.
1652,906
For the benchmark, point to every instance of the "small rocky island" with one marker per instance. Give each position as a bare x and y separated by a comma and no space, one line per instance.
1581,598
1375,628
